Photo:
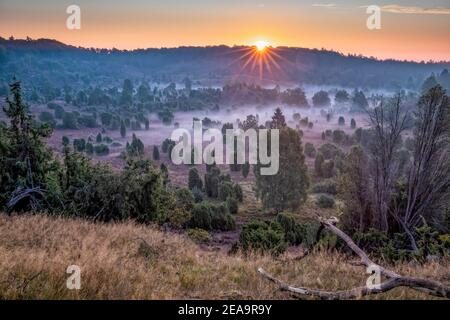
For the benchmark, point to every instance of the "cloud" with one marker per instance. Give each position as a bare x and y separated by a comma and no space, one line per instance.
393,8
324,5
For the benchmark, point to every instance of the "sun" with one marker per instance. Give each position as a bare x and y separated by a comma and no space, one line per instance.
261,57
261,45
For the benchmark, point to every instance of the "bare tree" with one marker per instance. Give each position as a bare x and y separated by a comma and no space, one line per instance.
428,189
388,122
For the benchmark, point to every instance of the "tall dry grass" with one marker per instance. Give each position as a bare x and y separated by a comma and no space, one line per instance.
115,263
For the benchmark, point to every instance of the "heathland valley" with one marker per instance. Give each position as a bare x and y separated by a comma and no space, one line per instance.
91,173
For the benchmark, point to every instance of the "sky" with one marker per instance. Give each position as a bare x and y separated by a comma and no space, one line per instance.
412,30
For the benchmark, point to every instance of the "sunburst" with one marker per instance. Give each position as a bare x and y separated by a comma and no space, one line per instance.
260,58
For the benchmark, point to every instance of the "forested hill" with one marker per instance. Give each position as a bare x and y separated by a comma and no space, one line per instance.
60,64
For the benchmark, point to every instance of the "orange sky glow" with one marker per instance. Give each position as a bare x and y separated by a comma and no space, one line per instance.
402,36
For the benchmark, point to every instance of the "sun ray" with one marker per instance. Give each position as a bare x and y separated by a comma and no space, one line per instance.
260,61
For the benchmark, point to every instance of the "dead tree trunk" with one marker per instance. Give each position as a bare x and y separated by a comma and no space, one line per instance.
395,280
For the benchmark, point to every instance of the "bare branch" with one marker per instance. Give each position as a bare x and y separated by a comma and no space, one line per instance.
395,280
434,288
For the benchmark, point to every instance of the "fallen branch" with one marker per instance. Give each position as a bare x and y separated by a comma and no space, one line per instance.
395,280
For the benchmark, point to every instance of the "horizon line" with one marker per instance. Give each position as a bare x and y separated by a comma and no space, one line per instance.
359,55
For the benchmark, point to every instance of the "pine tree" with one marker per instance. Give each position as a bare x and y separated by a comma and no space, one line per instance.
278,120
123,129
155,153
318,163
194,179
288,188
24,157
165,173
245,169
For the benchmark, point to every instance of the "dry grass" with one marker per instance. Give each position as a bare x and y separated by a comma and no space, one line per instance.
36,250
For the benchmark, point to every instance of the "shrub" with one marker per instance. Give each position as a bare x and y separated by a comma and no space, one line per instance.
199,235
310,151
378,243
430,242
65,141
353,123
99,138
318,164
212,182
89,148
106,118
79,145
184,199
338,136
136,148
329,151
123,129
225,190
198,194
137,192
238,194
328,169
304,122
325,186
101,150
165,173
341,96
178,218
233,205
88,121
135,125
53,106
245,169
221,219
263,236
341,121
396,247
155,153
325,201
211,217
166,116
194,179
59,111
47,117
292,230
321,99
201,216
167,143
69,121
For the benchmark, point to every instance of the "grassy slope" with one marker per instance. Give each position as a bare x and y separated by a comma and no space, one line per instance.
36,250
